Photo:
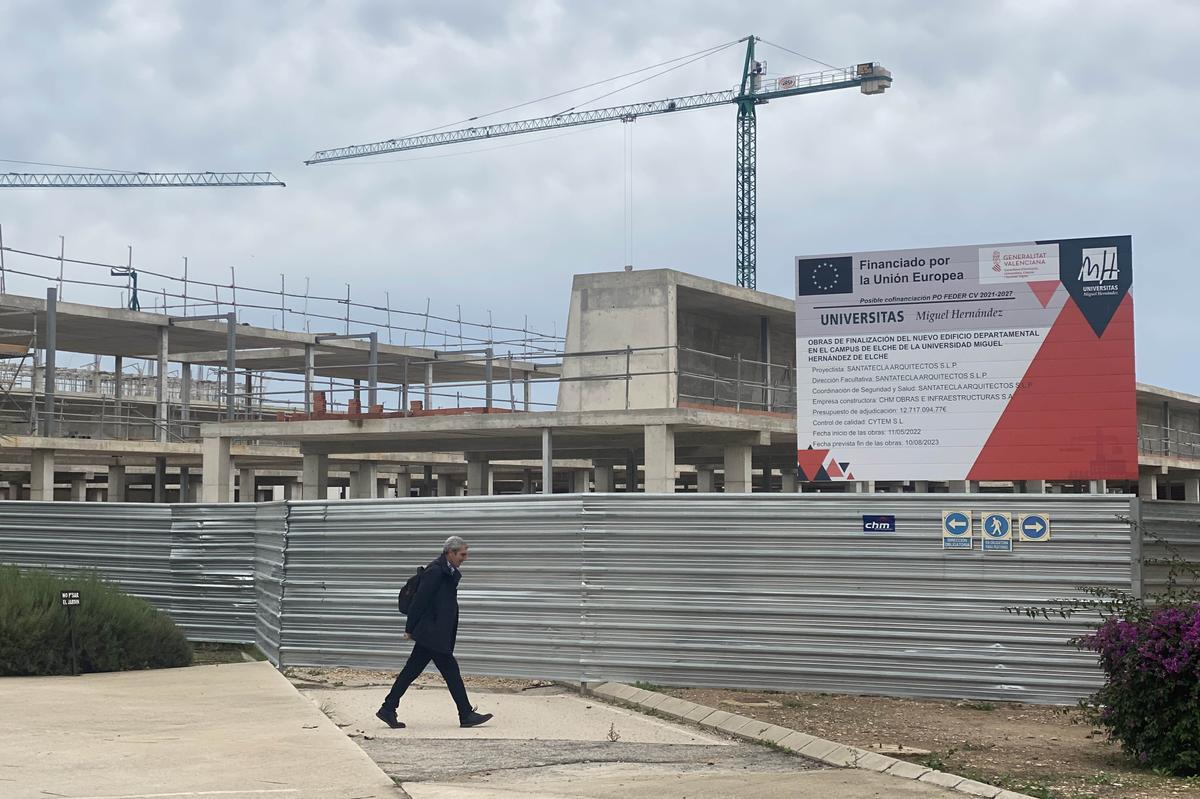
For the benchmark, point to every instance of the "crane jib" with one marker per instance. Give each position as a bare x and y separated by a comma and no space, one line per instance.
784,87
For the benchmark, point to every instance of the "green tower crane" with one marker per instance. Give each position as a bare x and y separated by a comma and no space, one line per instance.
754,90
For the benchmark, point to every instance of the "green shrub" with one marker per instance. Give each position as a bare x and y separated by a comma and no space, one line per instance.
113,631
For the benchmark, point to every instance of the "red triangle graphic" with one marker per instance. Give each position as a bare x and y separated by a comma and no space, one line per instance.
1044,290
810,460
834,470
850,476
1065,425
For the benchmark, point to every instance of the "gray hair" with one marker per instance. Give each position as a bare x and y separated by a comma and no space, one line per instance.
453,544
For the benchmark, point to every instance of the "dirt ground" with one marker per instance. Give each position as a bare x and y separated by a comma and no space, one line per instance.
1042,751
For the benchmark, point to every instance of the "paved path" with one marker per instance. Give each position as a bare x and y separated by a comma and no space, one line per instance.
560,747
237,731
242,731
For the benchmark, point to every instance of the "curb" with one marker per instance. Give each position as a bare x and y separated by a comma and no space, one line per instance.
819,749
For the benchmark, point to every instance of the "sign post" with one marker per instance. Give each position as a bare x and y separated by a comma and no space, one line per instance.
70,601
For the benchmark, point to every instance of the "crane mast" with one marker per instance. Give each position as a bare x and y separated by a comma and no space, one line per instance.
754,90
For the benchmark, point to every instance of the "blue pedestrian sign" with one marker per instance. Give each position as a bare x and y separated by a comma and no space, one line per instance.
996,532
1035,527
956,529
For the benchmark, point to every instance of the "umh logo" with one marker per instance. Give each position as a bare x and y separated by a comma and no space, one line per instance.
1098,274
1099,265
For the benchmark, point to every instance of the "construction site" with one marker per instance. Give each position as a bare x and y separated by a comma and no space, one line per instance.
663,382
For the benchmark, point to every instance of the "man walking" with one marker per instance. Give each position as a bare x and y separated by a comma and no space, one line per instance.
433,627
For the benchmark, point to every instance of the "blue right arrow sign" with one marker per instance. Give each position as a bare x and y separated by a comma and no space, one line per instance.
1035,527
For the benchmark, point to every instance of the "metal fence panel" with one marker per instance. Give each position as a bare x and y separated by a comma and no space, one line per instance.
519,597
269,576
128,543
761,591
193,562
1170,532
212,571
787,592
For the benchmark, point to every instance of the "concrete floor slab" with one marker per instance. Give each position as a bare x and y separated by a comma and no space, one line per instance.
237,731
429,713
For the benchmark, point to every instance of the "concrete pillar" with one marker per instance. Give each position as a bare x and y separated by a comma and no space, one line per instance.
445,484
1191,489
660,459
160,480
116,484
478,476
962,487
15,490
427,482
605,480
862,486
582,480
362,480
41,476
291,489
404,485
547,461
193,490
428,386
788,480
1035,486
527,481
79,489
218,469
161,415
631,472
1098,487
1148,485
737,469
706,479
247,484
315,475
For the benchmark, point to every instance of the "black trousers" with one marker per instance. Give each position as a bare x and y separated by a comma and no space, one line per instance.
417,661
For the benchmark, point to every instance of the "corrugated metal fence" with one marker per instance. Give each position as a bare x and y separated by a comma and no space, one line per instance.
193,561
1170,538
764,590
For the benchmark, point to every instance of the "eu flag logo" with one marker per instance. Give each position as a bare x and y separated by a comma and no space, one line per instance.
824,276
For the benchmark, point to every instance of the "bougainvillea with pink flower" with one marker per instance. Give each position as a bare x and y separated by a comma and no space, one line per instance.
1150,701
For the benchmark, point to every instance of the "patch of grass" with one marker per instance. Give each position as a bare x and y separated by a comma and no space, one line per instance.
210,653
793,702
648,686
770,745
113,631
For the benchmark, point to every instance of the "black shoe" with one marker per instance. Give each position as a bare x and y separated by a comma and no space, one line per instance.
474,719
389,718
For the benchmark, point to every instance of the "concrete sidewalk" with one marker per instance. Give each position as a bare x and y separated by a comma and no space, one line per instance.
238,731
565,746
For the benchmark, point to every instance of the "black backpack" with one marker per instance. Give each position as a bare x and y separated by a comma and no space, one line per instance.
405,597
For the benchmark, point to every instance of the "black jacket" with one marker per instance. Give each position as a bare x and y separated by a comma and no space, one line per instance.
433,615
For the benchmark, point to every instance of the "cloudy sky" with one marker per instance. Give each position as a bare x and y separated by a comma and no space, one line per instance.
1008,121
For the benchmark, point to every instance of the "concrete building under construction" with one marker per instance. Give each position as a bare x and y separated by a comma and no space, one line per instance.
663,382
